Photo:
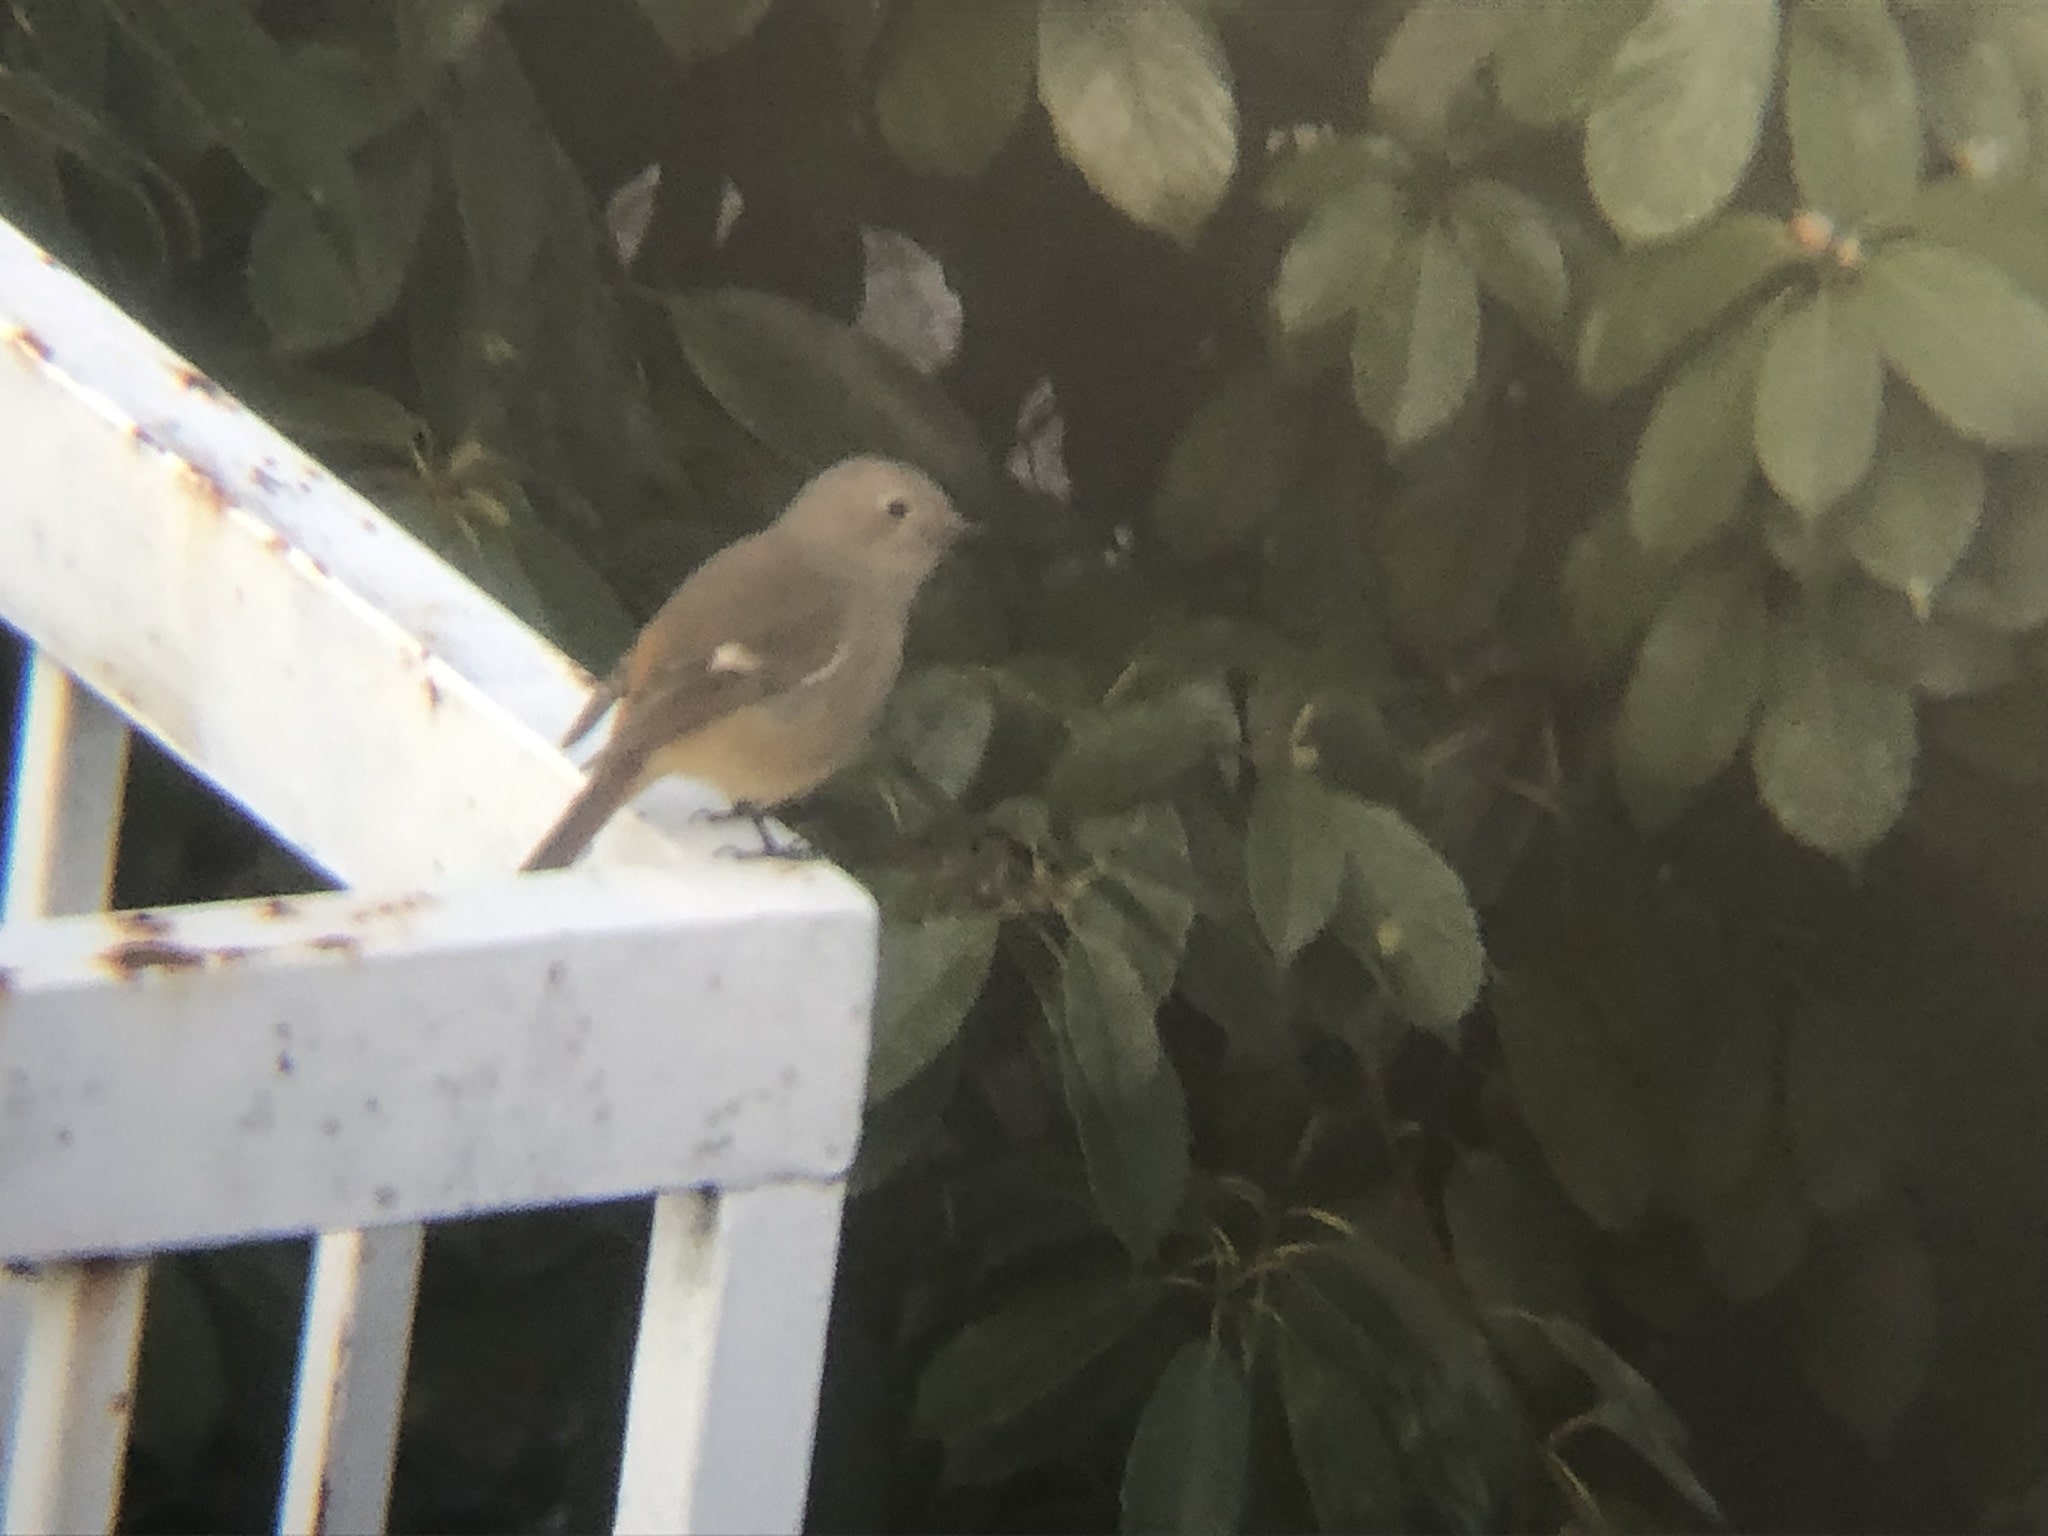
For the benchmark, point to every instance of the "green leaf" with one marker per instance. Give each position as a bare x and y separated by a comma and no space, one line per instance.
1921,509
1227,468
1613,588
1733,1094
940,722
1753,1237
1333,266
286,132
1841,1108
954,81
1122,754
1309,172
2003,581
1513,1239
1851,109
1512,244
1449,541
1628,1407
1964,336
1018,1356
1430,62
1868,1327
1406,915
1818,396
1551,66
1579,1099
1294,866
816,390
1834,749
433,34
694,30
1141,102
932,970
317,282
1188,1459
1696,457
1694,691
1656,300
1999,222
1342,1442
1976,103
1415,353
1938,656
1675,123
1142,904
1121,1090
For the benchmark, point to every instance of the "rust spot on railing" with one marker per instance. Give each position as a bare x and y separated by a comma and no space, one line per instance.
207,491
337,943
432,690
396,906
198,383
142,922
138,955
277,907
264,479
143,437
29,344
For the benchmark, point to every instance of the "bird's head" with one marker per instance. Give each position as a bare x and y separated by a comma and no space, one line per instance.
876,516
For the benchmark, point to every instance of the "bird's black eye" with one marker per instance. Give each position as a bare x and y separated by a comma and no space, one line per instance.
896,507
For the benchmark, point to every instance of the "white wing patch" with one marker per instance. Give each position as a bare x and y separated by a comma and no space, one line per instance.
832,664
733,659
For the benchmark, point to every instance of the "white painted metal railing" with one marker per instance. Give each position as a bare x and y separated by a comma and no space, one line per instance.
437,1039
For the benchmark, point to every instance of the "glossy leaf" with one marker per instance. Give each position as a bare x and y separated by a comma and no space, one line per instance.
1508,238
1697,680
1122,1092
1514,1241
1342,1444
1629,1408
1754,1236
1834,749
1550,67
940,722
1937,655
1974,96
1141,899
1141,102
1841,1111
1676,121
1335,263
1228,467
1613,588
1922,508
1819,393
694,30
1016,1357
2003,581
816,390
1851,109
1869,1328
1656,300
954,81
1429,62
1733,1094
1187,1466
1294,864
1406,914
932,969
317,282
1965,337
1696,458
1579,1099
1122,754
1415,353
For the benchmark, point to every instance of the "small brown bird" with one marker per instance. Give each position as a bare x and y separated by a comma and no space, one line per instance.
764,673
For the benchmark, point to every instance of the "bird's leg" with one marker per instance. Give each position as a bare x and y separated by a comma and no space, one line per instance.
771,847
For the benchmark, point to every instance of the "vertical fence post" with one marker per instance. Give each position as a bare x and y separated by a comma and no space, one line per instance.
724,1398
76,1326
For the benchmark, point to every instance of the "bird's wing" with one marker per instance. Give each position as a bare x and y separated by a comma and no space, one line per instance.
759,628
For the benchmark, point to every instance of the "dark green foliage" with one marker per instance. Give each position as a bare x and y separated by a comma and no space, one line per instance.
1453,916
